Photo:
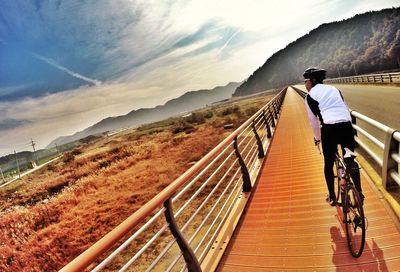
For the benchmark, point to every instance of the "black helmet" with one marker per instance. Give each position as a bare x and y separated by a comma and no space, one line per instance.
315,72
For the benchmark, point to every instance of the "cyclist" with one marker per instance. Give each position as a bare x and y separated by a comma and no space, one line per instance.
326,103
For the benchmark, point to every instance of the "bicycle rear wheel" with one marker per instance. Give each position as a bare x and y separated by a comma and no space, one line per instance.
354,221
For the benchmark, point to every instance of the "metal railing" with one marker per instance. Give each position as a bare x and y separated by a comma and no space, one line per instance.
386,78
208,199
389,161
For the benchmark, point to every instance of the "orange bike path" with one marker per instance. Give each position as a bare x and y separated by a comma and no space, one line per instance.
288,226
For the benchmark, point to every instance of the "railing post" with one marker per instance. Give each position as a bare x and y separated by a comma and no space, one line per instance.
391,146
243,167
368,79
269,134
390,78
275,110
354,122
381,78
261,153
272,117
192,263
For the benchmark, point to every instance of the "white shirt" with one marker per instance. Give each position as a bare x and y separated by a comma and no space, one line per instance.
327,102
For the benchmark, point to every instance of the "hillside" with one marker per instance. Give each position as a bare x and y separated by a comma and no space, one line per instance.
54,214
189,101
366,43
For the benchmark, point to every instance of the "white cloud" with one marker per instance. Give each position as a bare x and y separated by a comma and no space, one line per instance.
155,70
66,70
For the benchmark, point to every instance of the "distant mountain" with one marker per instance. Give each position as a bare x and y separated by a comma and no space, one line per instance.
189,101
366,43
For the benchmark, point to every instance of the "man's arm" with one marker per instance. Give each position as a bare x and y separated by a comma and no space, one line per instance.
314,122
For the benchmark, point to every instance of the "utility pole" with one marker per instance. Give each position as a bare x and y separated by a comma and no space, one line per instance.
355,69
16,159
338,71
34,152
2,175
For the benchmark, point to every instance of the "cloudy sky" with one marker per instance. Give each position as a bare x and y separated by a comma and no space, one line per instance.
65,65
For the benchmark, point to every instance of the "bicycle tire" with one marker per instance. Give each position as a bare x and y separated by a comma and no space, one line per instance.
354,220
337,184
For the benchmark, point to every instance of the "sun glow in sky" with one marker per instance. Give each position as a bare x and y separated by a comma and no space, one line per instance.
65,65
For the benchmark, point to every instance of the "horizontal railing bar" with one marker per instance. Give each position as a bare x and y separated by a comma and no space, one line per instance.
144,248
127,242
370,137
252,157
369,151
371,121
377,78
229,184
203,185
255,159
396,135
248,155
207,217
181,192
259,118
247,128
260,121
396,157
245,137
261,127
266,142
209,196
162,254
395,176
211,240
253,139
263,136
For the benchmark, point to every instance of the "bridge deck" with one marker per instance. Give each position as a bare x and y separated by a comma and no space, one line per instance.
287,224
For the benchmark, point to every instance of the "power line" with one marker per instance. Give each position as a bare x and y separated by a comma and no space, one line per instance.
18,147
23,148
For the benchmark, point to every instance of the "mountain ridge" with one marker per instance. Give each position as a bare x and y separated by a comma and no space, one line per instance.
189,101
365,43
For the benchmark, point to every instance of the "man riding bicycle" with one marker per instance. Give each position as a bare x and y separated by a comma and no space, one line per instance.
330,120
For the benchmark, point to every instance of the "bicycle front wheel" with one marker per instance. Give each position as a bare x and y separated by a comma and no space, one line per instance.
337,190
337,182
354,221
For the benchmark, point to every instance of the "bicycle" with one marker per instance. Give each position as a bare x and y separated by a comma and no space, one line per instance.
352,205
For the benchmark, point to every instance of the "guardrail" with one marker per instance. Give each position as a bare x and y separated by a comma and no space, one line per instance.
209,199
386,78
389,162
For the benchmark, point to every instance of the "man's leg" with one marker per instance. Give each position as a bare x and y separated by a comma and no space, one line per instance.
349,142
329,147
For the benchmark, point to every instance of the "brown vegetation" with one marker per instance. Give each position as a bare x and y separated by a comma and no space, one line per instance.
52,215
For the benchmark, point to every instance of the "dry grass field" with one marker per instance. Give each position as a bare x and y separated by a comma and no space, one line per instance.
52,215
